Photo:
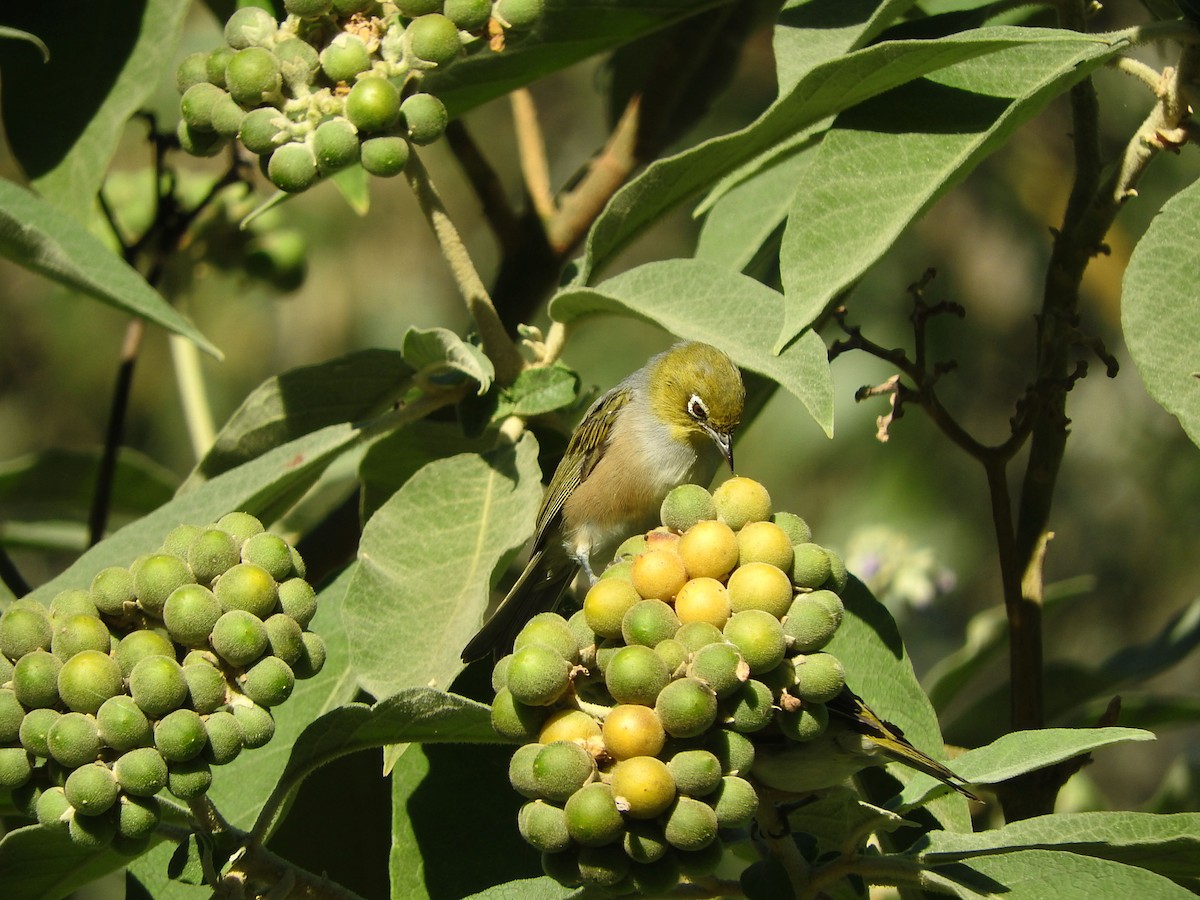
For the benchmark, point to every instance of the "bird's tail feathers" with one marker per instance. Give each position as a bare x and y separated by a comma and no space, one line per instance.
539,588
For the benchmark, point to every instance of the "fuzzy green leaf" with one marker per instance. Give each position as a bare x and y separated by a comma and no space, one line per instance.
442,355
38,862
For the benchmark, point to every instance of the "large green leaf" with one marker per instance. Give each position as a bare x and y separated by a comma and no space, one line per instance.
426,561
544,888
38,862
1022,751
700,301
1160,314
64,118
1168,845
887,160
1039,874
824,90
279,476
42,238
297,402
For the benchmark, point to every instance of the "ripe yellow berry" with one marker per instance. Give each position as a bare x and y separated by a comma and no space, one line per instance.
658,574
633,730
569,725
759,585
642,786
741,501
703,600
606,604
709,549
765,542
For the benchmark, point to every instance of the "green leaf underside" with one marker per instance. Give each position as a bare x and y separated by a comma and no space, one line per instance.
281,474
284,407
884,162
1159,315
1038,874
39,237
824,90
426,560
1166,844
125,49
701,301
1023,751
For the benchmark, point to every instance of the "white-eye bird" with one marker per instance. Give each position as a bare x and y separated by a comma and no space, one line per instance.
669,423
855,738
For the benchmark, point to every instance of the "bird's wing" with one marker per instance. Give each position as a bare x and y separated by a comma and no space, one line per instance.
584,450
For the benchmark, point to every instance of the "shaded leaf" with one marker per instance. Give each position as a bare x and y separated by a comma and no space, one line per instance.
43,239
426,561
349,388
103,66
351,183
440,354
701,301
538,391
544,888
39,862
1159,315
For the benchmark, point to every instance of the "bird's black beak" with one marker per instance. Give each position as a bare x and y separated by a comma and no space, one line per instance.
724,442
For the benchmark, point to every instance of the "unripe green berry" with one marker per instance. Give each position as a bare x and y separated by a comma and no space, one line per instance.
468,15
137,817
53,810
212,553
269,681
759,637
239,637
658,878
267,550
634,545
189,780
425,118
793,526
687,707
410,9
514,720
695,635
561,768
284,638
157,578
696,772
734,751
592,815
720,666
112,588
196,105
551,630
544,827
256,723
538,676
373,104
293,168
735,802
74,634
642,787
312,656
157,685
643,841
250,26
690,825
749,709
810,568
11,714
307,9
190,613
344,57
520,770
819,677
206,688
180,736
810,624
247,586
674,653
648,623
91,832
686,505
636,674
215,63
519,15
262,131
35,728
224,738
73,740
91,789
35,679
838,576
805,723
137,645
563,867
15,768
179,539
195,143
298,600
122,724
87,679
192,70
24,629
605,868
72,602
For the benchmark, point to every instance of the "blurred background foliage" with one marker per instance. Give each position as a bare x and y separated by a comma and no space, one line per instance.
910,515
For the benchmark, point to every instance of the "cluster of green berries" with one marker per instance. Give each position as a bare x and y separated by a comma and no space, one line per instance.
152,676
637,713
335,83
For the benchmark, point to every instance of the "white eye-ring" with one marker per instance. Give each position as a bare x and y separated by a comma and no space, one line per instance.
696,408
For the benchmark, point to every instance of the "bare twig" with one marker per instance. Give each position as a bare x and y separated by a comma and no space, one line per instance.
531,146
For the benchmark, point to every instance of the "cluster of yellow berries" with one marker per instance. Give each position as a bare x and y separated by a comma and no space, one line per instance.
636,712
150,677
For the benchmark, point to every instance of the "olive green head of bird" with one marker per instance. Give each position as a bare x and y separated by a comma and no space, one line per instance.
697,391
